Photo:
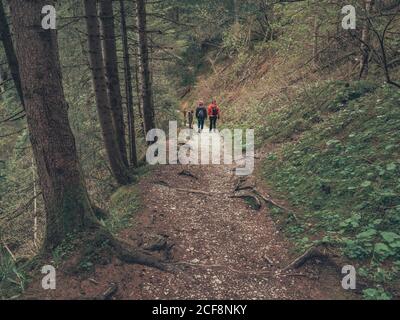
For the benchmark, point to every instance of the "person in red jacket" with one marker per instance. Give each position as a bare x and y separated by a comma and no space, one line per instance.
213,113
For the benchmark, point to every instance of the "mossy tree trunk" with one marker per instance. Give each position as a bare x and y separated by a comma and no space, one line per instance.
365,41
118,167
111,70
5,36
66,201
146,93
128,88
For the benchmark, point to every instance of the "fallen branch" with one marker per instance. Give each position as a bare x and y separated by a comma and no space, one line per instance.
165,184
244,272
194,191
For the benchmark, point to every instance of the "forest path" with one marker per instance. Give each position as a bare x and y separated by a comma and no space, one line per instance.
224,248
221,247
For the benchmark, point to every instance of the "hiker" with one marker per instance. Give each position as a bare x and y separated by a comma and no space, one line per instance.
184,118
190,118
214,114
201,115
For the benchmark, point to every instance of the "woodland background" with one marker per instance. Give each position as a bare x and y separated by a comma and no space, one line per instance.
326,99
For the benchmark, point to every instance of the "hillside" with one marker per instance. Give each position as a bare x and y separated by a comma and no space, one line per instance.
330,149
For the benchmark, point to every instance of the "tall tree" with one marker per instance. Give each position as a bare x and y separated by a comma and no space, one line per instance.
5,36
128,88
235,11
145,78
118,167
111,70
365,40
67,204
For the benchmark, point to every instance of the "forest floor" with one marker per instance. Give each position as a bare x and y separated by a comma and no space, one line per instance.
221,246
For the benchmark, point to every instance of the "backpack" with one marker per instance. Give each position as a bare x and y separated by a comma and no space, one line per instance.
214,111
201,114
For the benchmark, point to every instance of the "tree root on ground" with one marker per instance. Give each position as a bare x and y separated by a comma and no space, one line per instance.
100,213
244,184
269,200
109,293
100,245
320,252
187,173
257,203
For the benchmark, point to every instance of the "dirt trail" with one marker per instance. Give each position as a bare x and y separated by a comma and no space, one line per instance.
224,248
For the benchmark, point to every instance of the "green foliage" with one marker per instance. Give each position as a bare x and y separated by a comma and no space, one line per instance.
124,203
12,276
376,294
64,250
344,168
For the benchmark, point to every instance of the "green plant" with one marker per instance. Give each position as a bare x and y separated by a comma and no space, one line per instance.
376,294
12,276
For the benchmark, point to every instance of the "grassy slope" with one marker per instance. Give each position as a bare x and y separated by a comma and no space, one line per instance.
336,159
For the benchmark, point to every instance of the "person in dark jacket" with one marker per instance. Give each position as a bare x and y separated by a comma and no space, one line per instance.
201,115
190,118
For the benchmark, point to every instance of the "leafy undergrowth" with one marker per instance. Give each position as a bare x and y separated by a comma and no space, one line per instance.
13,278
339,165
124,203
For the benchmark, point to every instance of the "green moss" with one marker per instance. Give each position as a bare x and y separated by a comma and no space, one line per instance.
124,203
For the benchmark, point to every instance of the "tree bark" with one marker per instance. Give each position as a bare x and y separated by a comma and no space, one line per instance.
316,43
365,41
111,71
62,184
128,89
118,167
235,12
145,79
5,36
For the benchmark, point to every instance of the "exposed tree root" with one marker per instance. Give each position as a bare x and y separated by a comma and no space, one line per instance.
129,254
269,200
320,252
257,203
188,174
109,293
100,213
101,245
244,184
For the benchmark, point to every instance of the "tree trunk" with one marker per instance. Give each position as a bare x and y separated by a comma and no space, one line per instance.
62,184
365,42
139,103
235,12
128,89
316,43
5,36
111,70
145,80
118,167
